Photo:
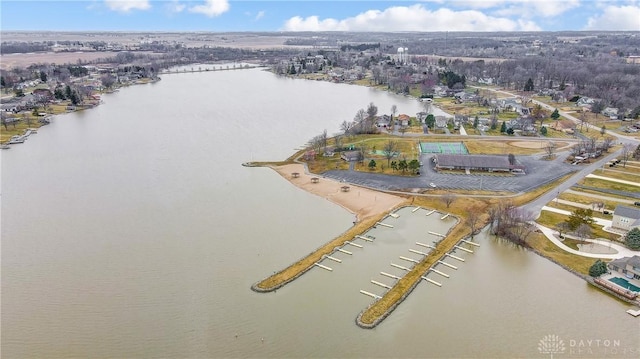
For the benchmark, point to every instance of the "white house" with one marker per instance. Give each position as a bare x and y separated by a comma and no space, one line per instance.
625,218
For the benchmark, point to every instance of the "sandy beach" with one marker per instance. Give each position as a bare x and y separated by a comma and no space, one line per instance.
363,202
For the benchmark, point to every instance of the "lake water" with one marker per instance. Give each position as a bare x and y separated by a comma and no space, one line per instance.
132,231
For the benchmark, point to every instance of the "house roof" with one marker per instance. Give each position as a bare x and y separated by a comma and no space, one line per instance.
628,212
478,161
623,262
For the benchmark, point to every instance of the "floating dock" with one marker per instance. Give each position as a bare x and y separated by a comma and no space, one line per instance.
463,249
437,234
384,224
635,313
370,294
409,259
365,238
415,209
354,244
417,252
389,275
441,273
432,281
334,259
454,257
400,267
431,212
380,284
425,245
344,251
323,267
472,243
448,265
445,216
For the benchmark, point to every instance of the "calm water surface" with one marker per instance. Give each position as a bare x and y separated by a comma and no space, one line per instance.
131,230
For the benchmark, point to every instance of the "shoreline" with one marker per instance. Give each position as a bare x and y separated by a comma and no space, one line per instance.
363,202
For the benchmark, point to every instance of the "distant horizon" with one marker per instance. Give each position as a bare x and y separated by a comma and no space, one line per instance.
319,16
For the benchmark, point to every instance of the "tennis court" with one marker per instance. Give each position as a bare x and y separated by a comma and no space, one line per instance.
453,148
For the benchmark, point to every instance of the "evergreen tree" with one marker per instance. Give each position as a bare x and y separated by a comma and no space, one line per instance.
555,114
475,122
372,164
529,85
543,131
598,268
632,239
503,128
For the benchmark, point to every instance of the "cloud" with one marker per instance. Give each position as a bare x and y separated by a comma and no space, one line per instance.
524,8
211,8
260,15
616,18
127,5
411,18
174,7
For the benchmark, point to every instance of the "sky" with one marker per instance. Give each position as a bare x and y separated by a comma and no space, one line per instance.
328,15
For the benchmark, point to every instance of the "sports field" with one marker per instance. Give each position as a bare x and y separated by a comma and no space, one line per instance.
454,148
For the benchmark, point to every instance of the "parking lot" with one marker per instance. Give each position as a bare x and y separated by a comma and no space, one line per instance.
538,172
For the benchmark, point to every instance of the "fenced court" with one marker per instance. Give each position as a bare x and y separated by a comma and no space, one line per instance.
453,148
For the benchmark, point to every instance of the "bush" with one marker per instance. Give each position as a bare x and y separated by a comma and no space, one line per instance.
632,239
598,268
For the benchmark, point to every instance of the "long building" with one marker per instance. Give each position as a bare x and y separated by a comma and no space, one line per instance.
488,163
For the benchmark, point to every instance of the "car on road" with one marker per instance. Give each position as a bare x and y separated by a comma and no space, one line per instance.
432,185
636,203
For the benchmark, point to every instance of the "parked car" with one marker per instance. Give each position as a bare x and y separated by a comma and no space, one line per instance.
636,203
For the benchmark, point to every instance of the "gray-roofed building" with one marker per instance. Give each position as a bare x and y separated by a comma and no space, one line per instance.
351,156
629,266
625,218
489,163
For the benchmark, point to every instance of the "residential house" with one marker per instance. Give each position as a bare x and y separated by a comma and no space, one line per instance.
625,218
585,102
403,120
611,112
441,121
351,156
628,266
383,121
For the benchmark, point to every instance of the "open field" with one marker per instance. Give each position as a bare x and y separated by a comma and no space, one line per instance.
24,60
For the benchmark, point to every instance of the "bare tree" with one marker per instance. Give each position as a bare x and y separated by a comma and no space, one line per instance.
607,142
394,110
390,148
448,199
550,149
473,219
562,227
583,231
627,151
372,110
347,128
